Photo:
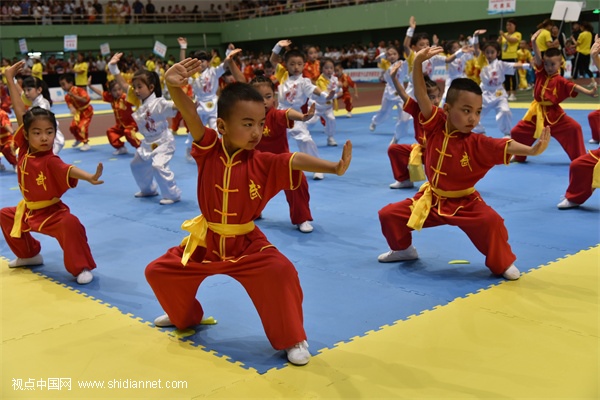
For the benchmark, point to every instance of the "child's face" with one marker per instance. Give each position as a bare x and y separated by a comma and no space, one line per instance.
203,65
294,65
522,45
269,71
455,47
435,95
327,69
464,114
392,55
141,90
41,135
552,64
421,44
339,71
267,94
244,128
31,93
490,53
116,91
312,54
65,86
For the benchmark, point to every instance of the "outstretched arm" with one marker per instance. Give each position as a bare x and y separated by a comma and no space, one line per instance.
14,91
305,162
182,47
419,79
519,149
77,173
298,116
113,68
93,89
275,58
176,77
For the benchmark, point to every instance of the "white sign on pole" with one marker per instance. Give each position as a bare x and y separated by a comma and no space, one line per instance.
567,11
160,49
104,49
70,43
23,46
502,6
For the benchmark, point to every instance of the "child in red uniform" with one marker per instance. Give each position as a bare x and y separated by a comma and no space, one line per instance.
406,159
455,160
43,179
584,172
234,185
346,83
78,100
549,91
312,66
6,140
125,125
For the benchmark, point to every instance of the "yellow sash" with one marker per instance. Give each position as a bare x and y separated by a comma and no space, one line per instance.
596,176
197,228
322,84
32,205
421,208
535,109
415,163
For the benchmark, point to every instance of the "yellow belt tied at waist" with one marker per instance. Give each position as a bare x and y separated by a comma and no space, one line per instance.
421,207
596,176
197,228
535,109
32,205
415,163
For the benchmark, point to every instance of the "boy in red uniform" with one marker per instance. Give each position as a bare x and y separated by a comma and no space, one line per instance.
455,160
6,140
125,125
550,90
78,100
346,83
234,185
43,179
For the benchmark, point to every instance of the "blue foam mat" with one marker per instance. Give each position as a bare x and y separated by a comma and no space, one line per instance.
347,292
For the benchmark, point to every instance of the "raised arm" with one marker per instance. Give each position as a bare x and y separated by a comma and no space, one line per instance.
14,91
182,47
476,34
275,57
176,77
113,68
419,80
93,89
305,162
393,71
412,25
537,59
230,63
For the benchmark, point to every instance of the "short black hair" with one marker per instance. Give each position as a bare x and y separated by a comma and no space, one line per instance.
201,55
293,53
552,52
462,85
68,77
36,113
234,93
418,37
261,79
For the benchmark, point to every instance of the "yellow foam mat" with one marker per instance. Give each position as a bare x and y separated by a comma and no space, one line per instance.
534,338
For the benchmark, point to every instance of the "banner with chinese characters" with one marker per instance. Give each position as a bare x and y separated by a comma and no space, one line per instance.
70,43
160,49
23,46
105,49
502,6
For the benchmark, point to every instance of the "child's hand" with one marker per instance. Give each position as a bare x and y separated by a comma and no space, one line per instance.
542,143
284,43
344,163
89,81
412,22
595,50
232,53
179,73
14,70
115,59
395,68
330,95
427,53
94,178
467,49
182,41
479,32
535,35
310,113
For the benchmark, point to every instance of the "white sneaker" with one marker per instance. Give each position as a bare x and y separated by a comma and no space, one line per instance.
318,176
349,115
76,143
298,355
331,141
566,204
409,253
512,273
188,154
166,202
85,277
163,321
592,141
507,135
372,127
394,140
407,184
512,97
25,262
119,151
85,147
305,227
142,194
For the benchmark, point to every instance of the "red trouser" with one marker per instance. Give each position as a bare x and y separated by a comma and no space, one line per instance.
115,133
268,276
479,221
399,155
581,173
347,98
56,221
566,131
176,121
298,200
80,130
594,119
8,153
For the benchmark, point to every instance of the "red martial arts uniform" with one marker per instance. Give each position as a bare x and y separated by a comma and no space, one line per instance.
125,124
454,163
399,154
43,179
549,92
274,140
83,116
232,192
312,70
346,83
594,119
176,120
6,138
581,177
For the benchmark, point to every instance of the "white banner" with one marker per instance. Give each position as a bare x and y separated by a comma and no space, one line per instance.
502,6
23,46
105,49
70,43
160,49
364,74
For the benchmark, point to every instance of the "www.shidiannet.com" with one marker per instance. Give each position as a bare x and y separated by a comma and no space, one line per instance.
51,384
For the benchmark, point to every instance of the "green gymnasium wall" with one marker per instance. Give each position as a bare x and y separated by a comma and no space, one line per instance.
355,24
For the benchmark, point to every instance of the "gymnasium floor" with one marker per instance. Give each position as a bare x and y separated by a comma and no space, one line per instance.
422,329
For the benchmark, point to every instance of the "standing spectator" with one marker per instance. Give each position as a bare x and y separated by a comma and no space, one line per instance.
544,40
99,11
138,11
509,41
582,58
150,11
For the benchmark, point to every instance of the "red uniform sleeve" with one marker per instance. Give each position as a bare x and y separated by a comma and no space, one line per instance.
58,176
412,108
107,97
350,81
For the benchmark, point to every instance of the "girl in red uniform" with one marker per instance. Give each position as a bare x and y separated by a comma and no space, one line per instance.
43,179
346,83
235,183
78,100
6,140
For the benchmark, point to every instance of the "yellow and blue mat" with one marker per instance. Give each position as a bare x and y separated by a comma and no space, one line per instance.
421,329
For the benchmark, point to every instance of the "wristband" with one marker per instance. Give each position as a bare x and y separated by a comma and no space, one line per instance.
475,39
410,32
323,96
526,66
458,52
114,69
183,46
277,49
